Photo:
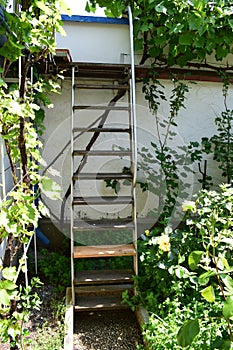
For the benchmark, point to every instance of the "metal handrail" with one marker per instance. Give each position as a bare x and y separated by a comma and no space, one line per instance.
134,135
133,98
72,189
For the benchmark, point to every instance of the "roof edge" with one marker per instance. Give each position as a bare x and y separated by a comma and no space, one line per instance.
94,19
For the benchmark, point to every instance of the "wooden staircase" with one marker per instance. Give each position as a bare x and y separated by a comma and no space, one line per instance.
102,289
112,234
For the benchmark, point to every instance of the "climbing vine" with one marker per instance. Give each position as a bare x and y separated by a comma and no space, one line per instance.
28,43
189,308
178,32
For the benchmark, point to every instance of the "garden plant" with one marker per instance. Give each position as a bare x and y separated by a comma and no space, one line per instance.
28,38
185,279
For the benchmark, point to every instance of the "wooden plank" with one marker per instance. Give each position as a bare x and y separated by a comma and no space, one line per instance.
104,251
102,71
99,302
100,226
102,108
111,130
105,200
102,153
94,277
101,176
103,289
102,86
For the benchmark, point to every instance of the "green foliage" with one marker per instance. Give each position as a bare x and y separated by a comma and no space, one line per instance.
55,267
17,304
33,30
168,164
221,144
52,337
196,263
49,338
30,36
187,333
178,32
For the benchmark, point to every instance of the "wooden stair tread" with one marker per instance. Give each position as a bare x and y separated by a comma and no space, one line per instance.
102,153
102,86
103,289
105,129
101,176
103,276
104,251
102,108
102,71
104,200
106,302
107,225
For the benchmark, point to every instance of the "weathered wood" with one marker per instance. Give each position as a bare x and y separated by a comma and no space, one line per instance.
104,251
102,153
102,86
101,302
101,176
105,200
102,108
105,129
116,289
89,277
121,224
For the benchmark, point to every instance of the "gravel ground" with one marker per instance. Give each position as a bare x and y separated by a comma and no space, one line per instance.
107,330
102,330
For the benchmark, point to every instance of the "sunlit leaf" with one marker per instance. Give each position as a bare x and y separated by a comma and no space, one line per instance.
228,282
9,273
194,259
50,188
208,294
204,278
4,297
228,307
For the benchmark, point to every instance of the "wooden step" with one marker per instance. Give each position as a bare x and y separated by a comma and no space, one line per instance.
102,71
104,289
102,153
104,200
102,176
95,277
111,130
102,86
120,224
94,303
102,108
103,251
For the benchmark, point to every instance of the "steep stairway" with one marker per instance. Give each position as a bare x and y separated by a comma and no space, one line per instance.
103,225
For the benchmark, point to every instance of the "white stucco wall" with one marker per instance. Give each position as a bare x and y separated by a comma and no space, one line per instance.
204,102
96,42
109,43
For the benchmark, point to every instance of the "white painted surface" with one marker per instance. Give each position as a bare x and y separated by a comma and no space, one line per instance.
96,42
109,43
204,102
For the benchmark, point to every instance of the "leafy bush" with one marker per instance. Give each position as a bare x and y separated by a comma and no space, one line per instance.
55,268
187,282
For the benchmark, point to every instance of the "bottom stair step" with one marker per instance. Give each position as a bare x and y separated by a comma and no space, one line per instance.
90,277
106,302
